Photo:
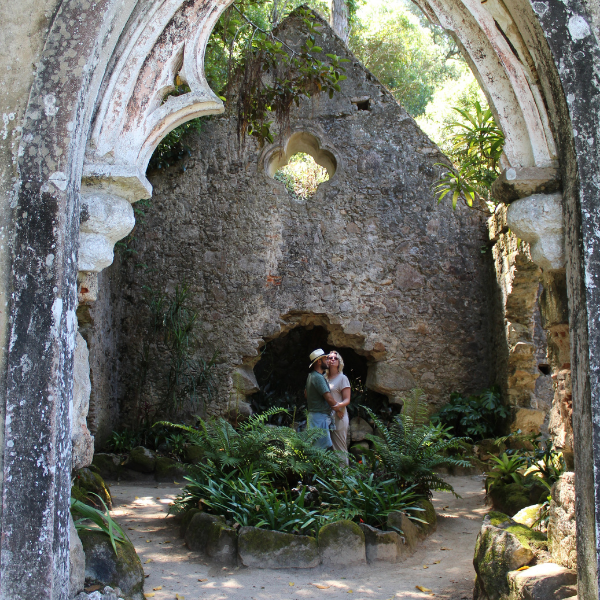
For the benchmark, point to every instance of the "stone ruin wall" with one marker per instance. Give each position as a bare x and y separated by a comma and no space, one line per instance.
371,257
531,339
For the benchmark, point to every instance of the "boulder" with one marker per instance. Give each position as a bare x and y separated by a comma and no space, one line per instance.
89,482
528,515
342,543
359,429
359,448
123,569
239,411
193,454
82,440
428,515
276,550
509,499
408,530
107,465
546,581
502,546
561,525
142,460
391,380
76,561
167,469
382,546
185,520
210,535
244,381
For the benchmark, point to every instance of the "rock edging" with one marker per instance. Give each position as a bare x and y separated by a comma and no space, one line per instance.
343,541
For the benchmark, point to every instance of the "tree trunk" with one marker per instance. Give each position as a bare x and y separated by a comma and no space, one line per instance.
339,19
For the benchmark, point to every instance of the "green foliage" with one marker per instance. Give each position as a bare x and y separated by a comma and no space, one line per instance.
411,452
248,498
174,323
367,500
93,519
476,416
302,175
273,76
507,469
409,59
477,144
257,446
172,148
246,473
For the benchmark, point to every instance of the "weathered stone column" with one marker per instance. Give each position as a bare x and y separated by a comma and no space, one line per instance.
568,29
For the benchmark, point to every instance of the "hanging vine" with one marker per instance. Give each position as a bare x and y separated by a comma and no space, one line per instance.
273,77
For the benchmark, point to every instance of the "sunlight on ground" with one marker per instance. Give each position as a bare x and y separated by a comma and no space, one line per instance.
443,562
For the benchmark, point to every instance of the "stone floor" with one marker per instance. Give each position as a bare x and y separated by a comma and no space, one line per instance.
442,564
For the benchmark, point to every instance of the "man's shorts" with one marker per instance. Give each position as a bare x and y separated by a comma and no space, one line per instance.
320,421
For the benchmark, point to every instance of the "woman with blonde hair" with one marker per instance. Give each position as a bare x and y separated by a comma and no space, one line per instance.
340,390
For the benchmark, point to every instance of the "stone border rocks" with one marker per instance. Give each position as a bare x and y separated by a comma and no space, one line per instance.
504,555
340,543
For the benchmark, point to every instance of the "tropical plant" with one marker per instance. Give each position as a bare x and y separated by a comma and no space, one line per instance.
367,500
478,416
123,441
93,519
412,452
477,144
507,469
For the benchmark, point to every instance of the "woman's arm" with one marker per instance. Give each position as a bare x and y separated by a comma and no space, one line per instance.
345,397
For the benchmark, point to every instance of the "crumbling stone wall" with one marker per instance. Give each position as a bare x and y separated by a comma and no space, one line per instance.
371,256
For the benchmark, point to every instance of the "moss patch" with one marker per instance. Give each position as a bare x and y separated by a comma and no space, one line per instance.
87,482
497,518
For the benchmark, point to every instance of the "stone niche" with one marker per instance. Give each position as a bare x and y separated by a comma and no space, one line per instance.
371,255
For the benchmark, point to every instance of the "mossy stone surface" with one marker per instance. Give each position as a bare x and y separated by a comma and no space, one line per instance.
142,460
502,546
381,546
399,521
428,515
185,520
168,470
87,482
108,465
210,535
509,499
276,550
196,533
342,543
123,570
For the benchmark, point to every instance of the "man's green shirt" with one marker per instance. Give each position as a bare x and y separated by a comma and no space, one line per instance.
316,386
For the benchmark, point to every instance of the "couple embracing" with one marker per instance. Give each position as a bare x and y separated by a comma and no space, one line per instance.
328,395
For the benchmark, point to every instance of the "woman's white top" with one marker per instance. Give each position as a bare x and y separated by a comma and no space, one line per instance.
337,384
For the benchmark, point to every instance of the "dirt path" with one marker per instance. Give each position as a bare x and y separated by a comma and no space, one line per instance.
443,563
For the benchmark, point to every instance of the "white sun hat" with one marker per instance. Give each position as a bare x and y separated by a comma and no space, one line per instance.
315,356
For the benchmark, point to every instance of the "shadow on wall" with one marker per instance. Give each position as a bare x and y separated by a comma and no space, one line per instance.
283,367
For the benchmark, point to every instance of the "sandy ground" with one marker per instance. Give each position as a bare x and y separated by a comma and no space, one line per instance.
443,562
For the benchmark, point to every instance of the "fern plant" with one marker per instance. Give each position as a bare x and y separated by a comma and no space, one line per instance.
256,445
412,452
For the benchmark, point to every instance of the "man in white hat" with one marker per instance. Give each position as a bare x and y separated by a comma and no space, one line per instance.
319,398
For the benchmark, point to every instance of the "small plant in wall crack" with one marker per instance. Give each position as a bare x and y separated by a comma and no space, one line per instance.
173,325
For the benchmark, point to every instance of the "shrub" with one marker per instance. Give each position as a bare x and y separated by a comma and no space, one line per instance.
476,416
411,453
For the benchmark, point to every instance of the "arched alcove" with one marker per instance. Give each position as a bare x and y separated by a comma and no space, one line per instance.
283,367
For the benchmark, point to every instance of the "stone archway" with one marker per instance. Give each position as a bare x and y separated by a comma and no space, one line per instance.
84,41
